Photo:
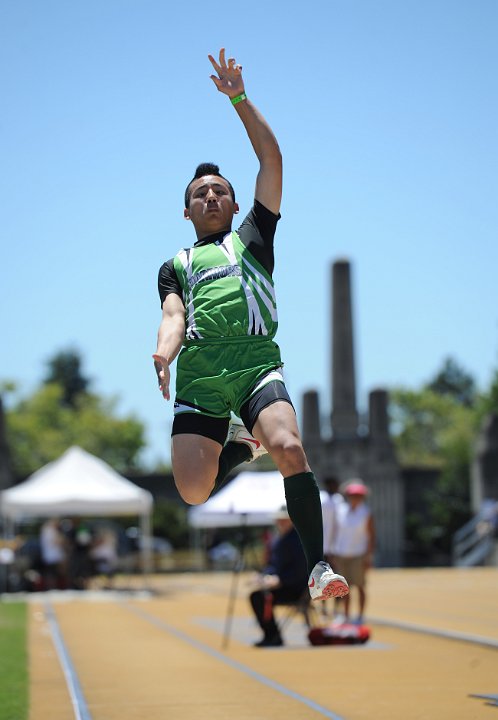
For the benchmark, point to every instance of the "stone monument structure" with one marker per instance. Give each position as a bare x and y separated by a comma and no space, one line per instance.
353,450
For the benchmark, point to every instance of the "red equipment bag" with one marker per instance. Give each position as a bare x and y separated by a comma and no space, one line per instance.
345,634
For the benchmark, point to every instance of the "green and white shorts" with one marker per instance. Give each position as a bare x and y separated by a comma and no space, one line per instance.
216,378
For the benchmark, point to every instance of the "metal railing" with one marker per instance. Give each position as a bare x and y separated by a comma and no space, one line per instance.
473,543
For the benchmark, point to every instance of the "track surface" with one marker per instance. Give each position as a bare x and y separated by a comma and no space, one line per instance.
169,654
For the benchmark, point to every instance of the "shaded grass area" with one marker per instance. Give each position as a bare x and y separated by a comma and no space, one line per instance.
13,661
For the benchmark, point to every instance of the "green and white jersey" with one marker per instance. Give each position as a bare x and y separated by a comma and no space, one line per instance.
227,293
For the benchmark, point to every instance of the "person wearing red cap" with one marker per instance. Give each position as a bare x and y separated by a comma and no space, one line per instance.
354,542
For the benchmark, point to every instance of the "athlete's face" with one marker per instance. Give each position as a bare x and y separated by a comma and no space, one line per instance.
211,206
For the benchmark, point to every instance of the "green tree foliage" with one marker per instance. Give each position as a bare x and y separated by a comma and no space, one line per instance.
62,413
40,428
170,521
488,403
65,369
427,425
436,427
453,381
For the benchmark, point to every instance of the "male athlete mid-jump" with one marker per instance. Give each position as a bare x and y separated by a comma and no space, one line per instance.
219,317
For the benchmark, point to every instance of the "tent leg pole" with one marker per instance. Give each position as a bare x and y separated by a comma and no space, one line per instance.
146,551
231,601
235,581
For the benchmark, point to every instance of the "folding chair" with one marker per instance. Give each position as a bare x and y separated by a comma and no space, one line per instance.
303,607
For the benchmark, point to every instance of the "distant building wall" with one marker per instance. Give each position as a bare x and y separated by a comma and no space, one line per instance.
485,463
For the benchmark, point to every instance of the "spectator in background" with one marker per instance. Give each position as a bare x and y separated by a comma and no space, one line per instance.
104,553
53,555
331,498
80,540
282,581
354,543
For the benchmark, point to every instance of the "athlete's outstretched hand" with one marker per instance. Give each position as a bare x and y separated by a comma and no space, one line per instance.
163,374
229,79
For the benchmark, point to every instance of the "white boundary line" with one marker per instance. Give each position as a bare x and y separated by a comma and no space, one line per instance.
445,634
78,701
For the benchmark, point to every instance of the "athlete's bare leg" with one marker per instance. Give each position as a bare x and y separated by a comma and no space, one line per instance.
195,466
276,427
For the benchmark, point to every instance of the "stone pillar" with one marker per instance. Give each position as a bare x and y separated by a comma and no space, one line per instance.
387,503
311,417
378,420
344,412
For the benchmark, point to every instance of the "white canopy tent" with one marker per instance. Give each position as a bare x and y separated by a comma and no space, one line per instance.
252,498
79,483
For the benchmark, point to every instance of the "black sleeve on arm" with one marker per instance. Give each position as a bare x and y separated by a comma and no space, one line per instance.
168,282
257,232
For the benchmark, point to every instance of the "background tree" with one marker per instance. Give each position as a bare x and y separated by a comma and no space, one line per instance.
170,521
5,458
62,413
488,403
436,427
425,424
453,381
65,369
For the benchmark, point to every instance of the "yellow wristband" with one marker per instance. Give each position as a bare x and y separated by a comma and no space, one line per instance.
238,98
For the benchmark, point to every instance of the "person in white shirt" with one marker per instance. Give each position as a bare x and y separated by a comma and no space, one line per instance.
354,542
104,553
53,554
331,498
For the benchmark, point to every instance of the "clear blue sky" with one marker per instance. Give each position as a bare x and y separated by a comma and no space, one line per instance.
387,115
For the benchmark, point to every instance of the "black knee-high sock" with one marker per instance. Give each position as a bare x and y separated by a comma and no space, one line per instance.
305,511
232,455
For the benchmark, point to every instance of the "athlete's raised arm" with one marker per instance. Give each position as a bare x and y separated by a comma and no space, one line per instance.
229,81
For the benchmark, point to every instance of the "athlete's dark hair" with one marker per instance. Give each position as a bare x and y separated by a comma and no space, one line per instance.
207,169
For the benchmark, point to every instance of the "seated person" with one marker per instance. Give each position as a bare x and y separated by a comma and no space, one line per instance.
282,581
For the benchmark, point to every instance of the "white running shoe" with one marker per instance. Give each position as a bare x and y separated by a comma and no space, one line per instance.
324,583
238,433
